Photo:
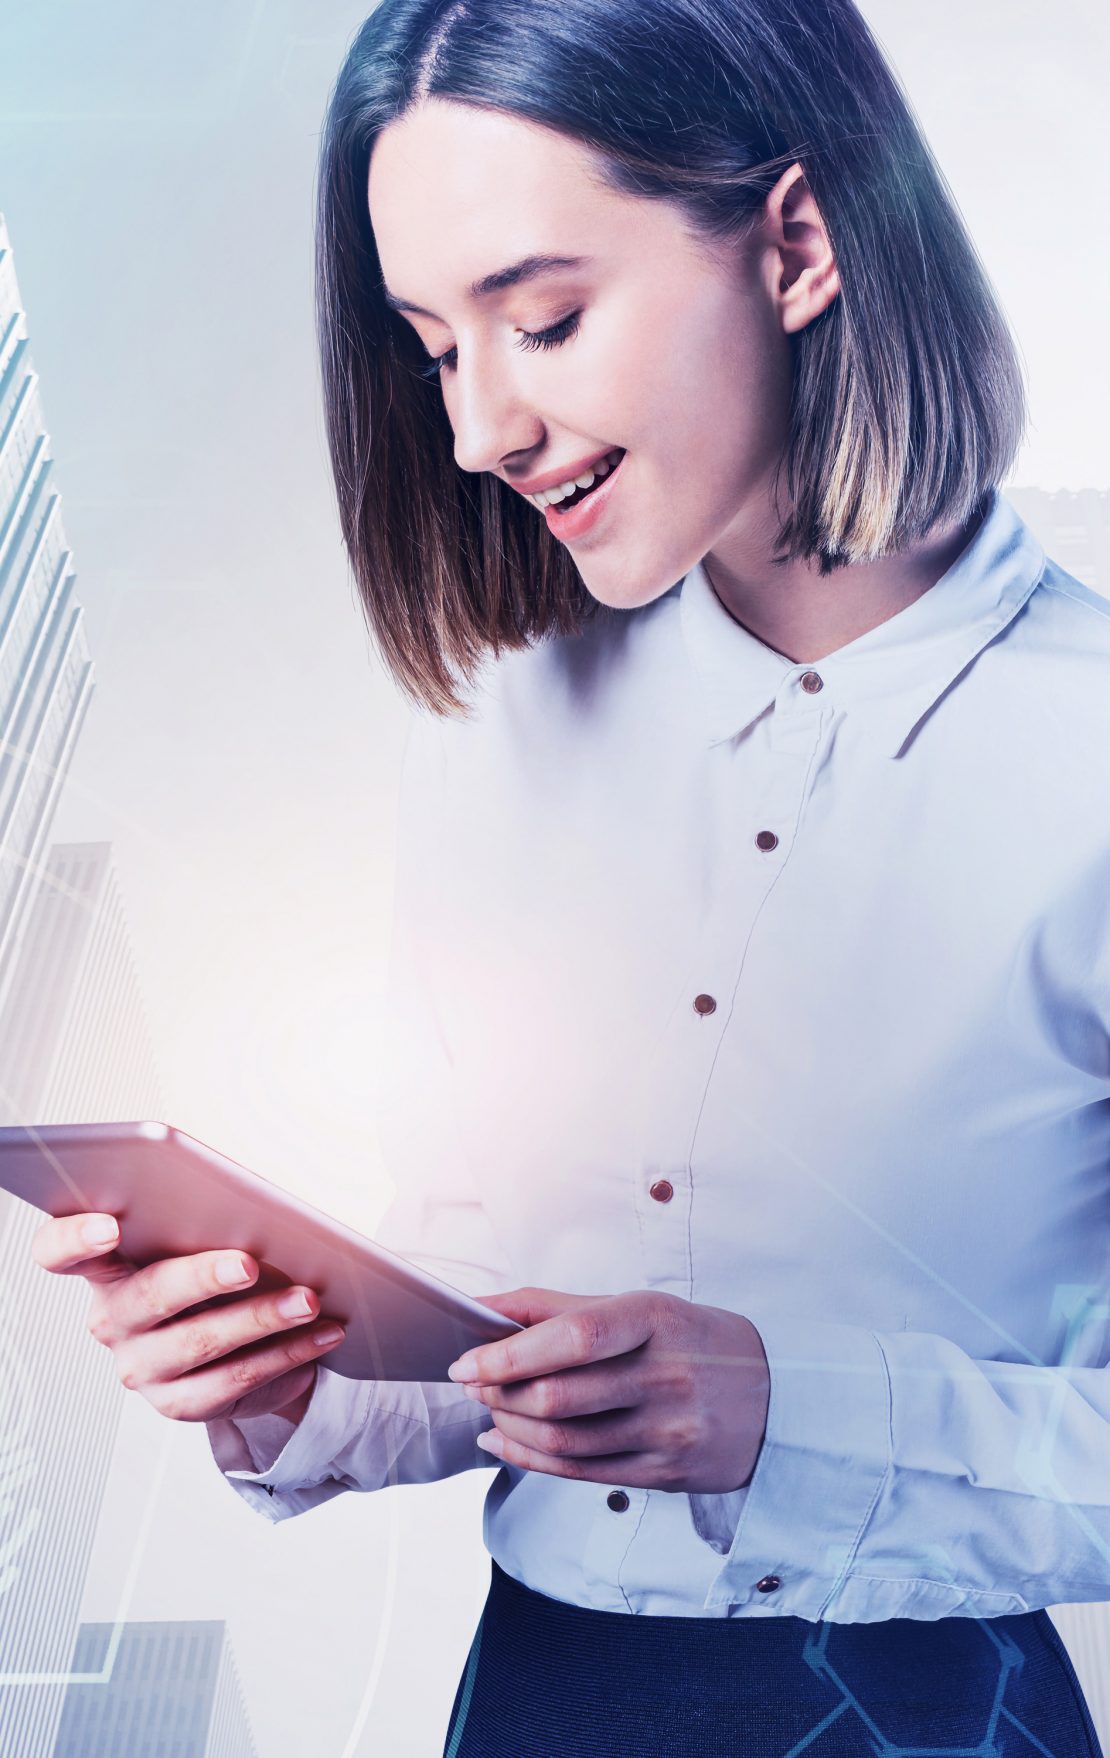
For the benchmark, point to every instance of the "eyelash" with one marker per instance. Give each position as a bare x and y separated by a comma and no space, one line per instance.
552,337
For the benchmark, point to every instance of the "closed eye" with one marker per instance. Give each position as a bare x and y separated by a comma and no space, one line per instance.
549,338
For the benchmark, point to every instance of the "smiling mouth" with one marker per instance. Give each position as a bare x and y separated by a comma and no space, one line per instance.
581,494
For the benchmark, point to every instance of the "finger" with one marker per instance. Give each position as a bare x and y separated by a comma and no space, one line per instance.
63,1246
597,1329
197,1339
162,1290
576,1391
605,1468
213,1391
530,1305
580,1437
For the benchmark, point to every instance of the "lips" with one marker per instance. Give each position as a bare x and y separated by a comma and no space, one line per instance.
580,494
583,494
568,473
585,510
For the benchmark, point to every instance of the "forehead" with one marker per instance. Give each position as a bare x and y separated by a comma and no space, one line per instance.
454,191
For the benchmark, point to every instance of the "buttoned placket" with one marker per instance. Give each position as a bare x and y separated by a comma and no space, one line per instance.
760,838
771,798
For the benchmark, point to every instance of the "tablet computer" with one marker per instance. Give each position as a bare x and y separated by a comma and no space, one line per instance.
172,1196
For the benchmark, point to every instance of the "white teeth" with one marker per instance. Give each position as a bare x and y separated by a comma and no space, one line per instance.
549,497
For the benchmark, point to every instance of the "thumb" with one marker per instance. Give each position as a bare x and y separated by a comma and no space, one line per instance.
529,1306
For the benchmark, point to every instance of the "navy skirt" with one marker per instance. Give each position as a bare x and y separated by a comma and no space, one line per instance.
545,1679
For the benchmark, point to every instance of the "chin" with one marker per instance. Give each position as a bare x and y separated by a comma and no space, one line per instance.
625,584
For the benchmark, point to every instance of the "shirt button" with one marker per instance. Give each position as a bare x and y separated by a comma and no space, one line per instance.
617,1500
662,1190
766,840
811,681
768,1584
704,1004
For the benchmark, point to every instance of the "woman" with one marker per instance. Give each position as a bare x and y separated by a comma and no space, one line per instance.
750,994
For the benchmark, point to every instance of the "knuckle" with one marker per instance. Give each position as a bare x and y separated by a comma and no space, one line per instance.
684,1434
664,1314
549,1399
244,1371
669,1374
554,1437
200,1343
128,1371
586,1329
151,1304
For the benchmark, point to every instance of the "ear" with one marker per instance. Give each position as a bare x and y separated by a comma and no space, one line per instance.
805,274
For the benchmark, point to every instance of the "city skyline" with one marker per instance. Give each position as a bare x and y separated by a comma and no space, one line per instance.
240,752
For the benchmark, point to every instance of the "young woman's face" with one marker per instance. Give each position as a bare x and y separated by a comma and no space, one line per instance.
654,347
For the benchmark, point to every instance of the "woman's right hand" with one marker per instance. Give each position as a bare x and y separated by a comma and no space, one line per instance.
244,1357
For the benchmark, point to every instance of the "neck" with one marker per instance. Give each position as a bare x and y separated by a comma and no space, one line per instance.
805,616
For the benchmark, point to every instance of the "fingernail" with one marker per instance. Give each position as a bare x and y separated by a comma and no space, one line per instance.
294,1305
490,1441
462,1369
329,1334
472,1391
230,1270
99,1232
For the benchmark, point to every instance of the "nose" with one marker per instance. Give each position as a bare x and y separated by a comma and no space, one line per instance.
490,418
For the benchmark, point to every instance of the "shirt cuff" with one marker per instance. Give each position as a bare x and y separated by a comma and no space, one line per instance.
825,1455
299,1454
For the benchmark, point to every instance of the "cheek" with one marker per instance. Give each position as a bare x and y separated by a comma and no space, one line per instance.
605,386
727,390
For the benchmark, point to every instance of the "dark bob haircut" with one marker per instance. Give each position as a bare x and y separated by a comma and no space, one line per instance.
907,401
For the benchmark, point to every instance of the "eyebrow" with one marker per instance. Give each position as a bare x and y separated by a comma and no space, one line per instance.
529,268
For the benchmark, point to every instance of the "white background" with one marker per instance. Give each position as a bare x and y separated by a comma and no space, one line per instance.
156,169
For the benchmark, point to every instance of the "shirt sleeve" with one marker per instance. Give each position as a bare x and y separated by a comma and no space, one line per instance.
901,1477
364,1434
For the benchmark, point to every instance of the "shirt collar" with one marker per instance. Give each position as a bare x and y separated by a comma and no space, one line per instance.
887,679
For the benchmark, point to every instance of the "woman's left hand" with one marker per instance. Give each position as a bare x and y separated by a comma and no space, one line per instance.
643,1389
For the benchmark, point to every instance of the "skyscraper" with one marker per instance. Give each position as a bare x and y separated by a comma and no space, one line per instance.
46,676
72,1046
73,1028
168,1687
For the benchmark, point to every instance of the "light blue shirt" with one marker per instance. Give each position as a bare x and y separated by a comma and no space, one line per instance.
887,1139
